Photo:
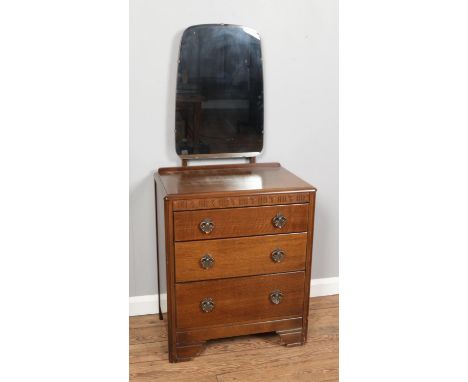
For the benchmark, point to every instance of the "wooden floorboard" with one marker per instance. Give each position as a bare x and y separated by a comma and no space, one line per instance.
324,302
247,358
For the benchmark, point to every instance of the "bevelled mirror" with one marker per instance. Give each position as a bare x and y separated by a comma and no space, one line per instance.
219,97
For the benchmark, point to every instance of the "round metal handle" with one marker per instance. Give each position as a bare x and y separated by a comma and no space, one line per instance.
206,261
207,225
276,296
207,304
277,255
279,221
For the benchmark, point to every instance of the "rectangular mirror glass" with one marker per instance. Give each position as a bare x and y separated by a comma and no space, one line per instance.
219,97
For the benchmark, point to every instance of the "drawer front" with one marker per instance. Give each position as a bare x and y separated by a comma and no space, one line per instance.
235,222
213,259
206,303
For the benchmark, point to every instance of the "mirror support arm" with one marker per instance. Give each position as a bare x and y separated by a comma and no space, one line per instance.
251,160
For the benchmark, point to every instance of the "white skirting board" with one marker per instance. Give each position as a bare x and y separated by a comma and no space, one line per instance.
141,305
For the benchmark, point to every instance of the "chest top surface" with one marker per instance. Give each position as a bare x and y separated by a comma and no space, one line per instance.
268,177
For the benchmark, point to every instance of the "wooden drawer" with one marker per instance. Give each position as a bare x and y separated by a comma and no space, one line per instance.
239,299
240,256
234,222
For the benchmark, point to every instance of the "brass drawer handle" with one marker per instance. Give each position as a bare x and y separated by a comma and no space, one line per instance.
207,225
279,221
207,304
276,296
277,255
207,261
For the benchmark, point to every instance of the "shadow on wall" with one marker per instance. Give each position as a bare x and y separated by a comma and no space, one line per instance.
171,99
143,270
320,224
142,238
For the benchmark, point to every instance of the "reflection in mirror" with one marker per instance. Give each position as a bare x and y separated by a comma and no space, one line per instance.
219,98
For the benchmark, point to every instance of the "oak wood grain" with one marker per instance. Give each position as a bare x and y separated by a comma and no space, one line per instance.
180,182
183,169
238,222
222,363
323,322
147,320
323,368
256,357
157,351
241,201
235,361
239,256
148,334
324,302
291,337
238,329
239,299
252,193
308,269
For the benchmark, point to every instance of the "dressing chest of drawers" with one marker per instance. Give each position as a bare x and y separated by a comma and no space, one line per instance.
238,248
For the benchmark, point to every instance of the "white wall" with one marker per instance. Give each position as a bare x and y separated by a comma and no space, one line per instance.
300,56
